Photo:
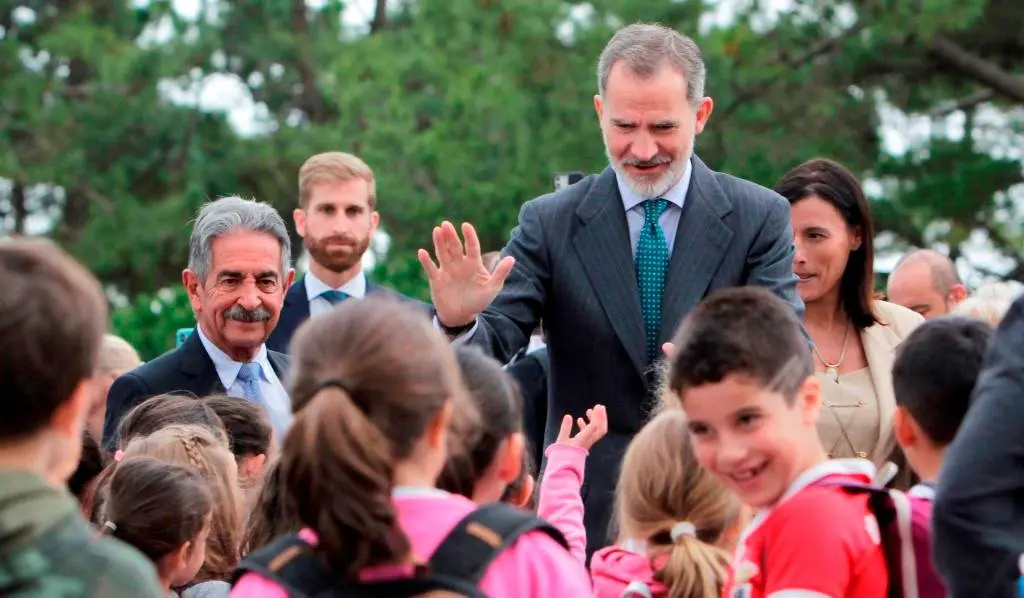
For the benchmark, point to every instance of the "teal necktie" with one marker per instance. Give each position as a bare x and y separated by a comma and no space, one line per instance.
334,297
651,266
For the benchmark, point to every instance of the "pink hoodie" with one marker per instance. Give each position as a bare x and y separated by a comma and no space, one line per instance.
534,566
613,568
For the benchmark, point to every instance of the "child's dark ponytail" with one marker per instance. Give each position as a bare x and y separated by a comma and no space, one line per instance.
369,381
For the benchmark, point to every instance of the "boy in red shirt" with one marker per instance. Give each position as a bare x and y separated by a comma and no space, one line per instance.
741,369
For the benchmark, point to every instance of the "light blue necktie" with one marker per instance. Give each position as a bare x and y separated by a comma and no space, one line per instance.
249,376
334,297
651,266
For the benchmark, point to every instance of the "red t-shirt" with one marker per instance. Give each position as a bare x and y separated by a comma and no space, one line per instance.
816,541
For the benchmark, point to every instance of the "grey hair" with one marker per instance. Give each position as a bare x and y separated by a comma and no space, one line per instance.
229,214
646,48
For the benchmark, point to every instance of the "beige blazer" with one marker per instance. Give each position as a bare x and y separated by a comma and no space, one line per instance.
880,342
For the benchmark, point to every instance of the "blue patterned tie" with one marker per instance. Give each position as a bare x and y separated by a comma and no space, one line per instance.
651,266
334,297
249,376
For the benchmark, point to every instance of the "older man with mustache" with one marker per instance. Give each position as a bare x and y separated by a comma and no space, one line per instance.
614,262
237,276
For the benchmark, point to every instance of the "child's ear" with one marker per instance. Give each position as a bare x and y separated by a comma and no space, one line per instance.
511,458
250,466
176,560
68,419
904,428
437,429
521,499
808,396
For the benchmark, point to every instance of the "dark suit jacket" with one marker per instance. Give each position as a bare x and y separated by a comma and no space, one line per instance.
977,519
530,371
296,311
575,269
187,369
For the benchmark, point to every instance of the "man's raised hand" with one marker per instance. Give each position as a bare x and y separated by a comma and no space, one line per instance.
460,286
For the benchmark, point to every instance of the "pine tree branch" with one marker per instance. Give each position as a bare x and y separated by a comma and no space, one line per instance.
977,68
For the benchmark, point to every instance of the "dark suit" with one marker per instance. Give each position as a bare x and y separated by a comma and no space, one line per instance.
575,269
187,369
530,371
296,311
977,524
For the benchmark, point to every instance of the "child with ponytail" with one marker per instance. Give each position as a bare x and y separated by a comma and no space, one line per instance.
199,449
374,389
674,519
164,511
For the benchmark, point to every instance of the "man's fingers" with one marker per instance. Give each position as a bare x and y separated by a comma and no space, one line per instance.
502,270
453,245
440,246
428,264
472,243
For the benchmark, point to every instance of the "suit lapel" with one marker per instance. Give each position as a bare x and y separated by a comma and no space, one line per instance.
296,306
879,348
701,242
196,363
279,362
603,246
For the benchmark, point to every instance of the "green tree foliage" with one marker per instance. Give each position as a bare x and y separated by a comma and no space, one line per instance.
465,109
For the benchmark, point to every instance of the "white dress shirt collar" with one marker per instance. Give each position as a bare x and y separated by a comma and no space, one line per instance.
227,368
676,195
354,288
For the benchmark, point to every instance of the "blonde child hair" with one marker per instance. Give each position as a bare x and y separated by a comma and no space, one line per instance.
118,356
197,447
666,500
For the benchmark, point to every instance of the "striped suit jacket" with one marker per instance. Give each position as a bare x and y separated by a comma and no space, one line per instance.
574,268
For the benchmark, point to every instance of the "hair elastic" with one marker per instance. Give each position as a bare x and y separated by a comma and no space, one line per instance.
683,528
118,456
335,383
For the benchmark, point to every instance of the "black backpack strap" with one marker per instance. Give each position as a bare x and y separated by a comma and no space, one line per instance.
289,562
481,537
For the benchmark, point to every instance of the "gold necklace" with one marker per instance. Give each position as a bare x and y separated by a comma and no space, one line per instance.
832,367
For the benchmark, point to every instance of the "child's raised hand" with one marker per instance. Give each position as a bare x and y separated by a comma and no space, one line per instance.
592,429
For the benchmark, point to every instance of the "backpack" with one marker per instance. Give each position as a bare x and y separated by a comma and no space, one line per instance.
456,567
904,525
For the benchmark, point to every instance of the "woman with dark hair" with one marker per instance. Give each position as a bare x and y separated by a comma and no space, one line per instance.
853,335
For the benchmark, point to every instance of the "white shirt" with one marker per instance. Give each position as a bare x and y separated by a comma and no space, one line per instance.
355,288
277,403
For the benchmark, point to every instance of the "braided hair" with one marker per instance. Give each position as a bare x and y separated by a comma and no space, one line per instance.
200,450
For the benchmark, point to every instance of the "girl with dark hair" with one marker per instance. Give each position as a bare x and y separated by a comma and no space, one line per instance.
164,511
853,335
156,413
484,460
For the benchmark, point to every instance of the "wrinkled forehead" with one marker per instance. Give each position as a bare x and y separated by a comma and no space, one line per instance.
246,253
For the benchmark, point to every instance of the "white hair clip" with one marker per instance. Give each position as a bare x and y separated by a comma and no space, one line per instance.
637,589
683,528
110,526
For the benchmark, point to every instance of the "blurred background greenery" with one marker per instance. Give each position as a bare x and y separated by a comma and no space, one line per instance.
119,118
